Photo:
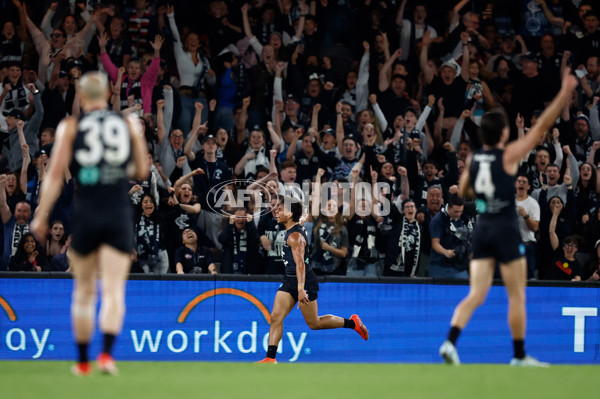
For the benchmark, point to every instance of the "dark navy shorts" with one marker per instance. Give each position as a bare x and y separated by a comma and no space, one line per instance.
93,229
290,285
499,238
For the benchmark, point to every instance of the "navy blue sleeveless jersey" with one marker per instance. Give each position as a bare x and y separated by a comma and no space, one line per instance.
496,233
101,153
102,210
494,188
288,256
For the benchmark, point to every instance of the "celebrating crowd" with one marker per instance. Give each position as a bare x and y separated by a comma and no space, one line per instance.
365,110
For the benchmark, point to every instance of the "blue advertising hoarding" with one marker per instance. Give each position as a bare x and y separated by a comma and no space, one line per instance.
215,320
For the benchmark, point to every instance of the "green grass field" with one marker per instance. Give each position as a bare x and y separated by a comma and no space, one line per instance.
149,380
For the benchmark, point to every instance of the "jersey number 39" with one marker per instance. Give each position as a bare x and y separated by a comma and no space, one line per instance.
107,140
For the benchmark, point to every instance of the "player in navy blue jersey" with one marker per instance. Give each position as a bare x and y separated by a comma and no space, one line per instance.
489,178
300,283
100,148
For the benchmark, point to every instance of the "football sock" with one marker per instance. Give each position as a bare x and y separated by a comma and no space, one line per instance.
519,348
82,349
109,340
272,351
349,323
453,334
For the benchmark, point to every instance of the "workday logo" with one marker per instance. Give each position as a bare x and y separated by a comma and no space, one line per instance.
238,337
20,340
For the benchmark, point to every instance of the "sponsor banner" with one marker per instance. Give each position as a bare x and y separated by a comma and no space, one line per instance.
229,321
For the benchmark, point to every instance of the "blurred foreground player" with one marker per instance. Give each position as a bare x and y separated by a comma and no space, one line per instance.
100,148
489,178
300,283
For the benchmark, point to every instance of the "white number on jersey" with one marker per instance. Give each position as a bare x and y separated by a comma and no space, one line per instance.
108,140
483,182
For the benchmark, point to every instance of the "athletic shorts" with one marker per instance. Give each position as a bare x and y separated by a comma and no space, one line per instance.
290,285
93,229
499,238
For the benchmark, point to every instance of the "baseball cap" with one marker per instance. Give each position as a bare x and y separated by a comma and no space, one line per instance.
327,131
291,97
410,109
209,136
39,153
17,113
452,64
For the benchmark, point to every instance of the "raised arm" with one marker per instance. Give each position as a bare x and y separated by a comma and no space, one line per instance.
362,83
423,58
455,17
139,149
552,228
22,32
25,164
464,72
384,78
400,15
517,149
554,20
339,127
4,209
160,121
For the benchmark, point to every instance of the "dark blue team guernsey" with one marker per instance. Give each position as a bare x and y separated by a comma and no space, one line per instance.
496,232
288,256
102,211
494,188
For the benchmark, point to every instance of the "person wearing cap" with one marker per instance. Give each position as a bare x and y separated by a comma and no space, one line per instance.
583,137
216,172
530,91
450,84
291,112
22,132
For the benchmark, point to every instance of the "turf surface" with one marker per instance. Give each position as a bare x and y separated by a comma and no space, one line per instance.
149,380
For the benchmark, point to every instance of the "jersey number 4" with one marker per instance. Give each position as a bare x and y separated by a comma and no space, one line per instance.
107,140
483,182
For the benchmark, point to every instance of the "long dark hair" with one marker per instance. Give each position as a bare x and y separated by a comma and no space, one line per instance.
20,254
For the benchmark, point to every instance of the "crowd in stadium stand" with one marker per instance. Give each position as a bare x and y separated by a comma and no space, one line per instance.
242,99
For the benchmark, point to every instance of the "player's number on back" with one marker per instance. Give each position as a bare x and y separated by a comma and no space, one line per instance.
483,182
108,140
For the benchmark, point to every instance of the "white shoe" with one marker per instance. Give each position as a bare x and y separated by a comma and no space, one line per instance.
528,361
449,353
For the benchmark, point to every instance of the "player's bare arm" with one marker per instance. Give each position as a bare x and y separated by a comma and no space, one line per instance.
517,150
139,148
298,244
53,183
